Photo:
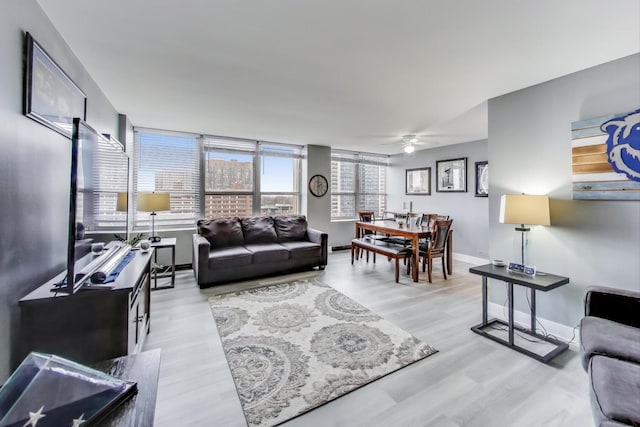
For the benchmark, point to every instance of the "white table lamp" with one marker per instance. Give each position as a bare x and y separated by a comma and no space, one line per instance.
153,202
524,209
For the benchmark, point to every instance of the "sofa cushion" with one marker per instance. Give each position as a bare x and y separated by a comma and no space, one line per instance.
267,252
299,250
222,232
614,390
291,228
232,257
259,229
603,336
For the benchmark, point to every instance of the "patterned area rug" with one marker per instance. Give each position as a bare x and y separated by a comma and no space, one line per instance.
294,346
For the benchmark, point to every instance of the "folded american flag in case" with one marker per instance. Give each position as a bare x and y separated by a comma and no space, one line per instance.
47,390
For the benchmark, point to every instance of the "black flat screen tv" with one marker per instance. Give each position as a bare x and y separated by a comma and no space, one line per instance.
99,172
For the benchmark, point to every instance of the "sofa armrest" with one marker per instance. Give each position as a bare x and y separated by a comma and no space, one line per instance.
618,305
317,236
201,249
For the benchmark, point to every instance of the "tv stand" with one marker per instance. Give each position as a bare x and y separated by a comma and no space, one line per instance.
90,326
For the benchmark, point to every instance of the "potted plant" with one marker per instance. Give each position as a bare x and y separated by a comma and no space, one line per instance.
133,241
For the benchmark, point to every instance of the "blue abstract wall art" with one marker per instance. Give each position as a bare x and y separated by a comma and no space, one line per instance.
623,144
605,157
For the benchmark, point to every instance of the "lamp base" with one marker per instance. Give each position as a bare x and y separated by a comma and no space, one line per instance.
155,239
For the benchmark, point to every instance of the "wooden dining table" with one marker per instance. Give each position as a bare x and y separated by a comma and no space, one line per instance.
410,231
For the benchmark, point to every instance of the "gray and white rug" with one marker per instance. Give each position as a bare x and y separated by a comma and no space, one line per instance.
294,346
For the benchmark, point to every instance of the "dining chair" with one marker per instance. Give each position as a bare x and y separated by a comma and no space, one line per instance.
411,219
368,216
436,246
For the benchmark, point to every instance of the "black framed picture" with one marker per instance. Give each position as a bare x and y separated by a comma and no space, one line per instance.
50,96
482,179
451,175
418,182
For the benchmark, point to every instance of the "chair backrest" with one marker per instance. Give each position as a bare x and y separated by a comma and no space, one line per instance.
414,218
430,219
439,235
388,216
367,216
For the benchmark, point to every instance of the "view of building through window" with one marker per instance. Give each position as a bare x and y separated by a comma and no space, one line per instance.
168,163
210,177
228,181
358,183
239,177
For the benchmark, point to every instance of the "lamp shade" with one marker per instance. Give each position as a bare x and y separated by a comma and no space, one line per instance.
153,202
121,202
524,209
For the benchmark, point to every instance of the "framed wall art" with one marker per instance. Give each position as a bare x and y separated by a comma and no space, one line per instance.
50,96
482,179
418,182
451,175
604,158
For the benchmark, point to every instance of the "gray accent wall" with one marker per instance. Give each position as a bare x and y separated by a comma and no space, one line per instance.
591,242
34,169
469,213
317,209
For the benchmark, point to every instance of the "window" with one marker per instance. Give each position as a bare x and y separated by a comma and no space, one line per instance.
215,177
229,177
168,162
358,182
102,174
279,179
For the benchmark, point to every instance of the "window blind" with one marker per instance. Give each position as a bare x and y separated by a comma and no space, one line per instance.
97,199
168,162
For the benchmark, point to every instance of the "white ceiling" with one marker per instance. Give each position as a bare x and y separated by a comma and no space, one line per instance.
355,74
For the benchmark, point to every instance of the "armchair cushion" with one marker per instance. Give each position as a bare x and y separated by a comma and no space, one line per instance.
614,391
291,228
221,233
605,337
259,229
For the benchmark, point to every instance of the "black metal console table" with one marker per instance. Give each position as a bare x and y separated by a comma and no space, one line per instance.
540,282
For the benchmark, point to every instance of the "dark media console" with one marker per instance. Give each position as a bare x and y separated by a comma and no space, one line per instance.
90,325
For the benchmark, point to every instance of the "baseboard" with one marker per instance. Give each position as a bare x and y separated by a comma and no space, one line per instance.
469,259
562,332
340,248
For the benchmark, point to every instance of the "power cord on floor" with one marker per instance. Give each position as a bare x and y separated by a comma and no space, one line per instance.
544,331
573,335
533,340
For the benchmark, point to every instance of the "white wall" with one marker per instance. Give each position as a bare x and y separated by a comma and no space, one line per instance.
470,214
591,242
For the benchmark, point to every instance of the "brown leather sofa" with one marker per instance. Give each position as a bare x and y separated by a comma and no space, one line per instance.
230,249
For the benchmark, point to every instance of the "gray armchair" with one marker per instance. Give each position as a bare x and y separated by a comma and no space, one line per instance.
610,350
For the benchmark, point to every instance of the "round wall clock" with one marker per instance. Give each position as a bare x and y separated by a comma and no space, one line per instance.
318,185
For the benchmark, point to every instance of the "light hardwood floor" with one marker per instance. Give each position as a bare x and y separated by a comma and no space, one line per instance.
472,381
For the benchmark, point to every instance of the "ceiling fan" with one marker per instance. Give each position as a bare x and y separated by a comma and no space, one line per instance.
410,141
